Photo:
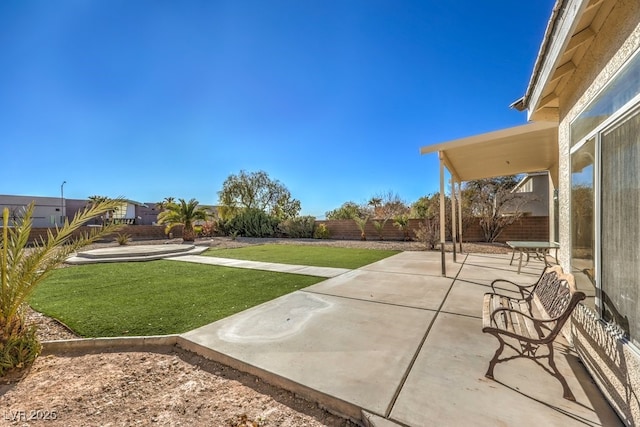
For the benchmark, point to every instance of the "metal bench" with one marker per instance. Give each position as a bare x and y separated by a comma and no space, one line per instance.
532,320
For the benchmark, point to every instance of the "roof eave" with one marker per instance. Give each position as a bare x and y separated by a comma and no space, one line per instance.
556,38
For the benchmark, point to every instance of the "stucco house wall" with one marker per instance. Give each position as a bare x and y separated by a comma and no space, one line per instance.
146,214
538,204
614,364
48,211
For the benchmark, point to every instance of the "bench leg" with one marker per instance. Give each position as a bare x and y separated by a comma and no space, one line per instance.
493,362
566,391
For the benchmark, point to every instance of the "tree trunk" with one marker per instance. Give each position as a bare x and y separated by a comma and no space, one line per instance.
188,235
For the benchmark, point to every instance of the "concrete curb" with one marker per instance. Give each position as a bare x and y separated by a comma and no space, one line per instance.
150,343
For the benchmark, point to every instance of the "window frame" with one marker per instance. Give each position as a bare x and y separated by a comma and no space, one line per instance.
630,109
615,119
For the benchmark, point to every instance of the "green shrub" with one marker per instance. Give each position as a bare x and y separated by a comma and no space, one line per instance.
222,228
321,232
300,227
252,223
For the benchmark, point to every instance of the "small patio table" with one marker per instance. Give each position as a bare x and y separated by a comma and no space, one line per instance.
539,250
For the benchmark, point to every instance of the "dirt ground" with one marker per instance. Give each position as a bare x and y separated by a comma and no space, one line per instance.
172,389
141,388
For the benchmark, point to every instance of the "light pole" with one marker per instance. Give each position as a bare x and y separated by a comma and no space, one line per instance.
62,202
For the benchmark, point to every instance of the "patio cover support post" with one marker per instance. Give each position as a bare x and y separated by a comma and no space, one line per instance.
453,217
460,215
442,213
552,208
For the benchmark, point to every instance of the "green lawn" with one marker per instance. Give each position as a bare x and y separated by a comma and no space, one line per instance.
155,298
318,256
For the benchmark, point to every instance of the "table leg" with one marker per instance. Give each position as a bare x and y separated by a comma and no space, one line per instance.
520,261
545,253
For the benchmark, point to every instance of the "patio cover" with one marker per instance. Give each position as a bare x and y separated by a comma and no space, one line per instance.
532,147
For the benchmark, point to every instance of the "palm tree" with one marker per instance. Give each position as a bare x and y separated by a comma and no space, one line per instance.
22,269
361,222
166,202
402,222
182,213
379,226
376,203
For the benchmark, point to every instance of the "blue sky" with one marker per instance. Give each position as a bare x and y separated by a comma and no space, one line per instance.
151,99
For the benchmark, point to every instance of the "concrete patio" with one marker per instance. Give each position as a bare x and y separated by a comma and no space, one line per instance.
395,343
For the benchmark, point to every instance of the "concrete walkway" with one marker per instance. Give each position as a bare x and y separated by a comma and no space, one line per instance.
268,266
394,343
191,253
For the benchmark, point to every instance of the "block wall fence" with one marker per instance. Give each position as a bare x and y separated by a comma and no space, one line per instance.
137,232
525,228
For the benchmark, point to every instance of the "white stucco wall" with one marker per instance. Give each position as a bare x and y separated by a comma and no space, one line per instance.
47,211
125,210
539,196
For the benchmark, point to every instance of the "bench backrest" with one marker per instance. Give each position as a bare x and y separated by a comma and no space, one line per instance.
556,293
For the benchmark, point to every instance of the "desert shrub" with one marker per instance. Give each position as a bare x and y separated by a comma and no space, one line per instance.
428,232
300,227
321,232
252,223
20,347
123,238
209,228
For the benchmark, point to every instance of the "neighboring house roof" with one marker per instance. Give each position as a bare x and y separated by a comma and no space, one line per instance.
133,202
571,29
525,179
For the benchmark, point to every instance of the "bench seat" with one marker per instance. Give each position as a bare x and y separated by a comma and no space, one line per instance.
532,320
